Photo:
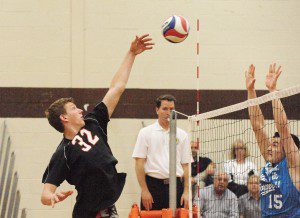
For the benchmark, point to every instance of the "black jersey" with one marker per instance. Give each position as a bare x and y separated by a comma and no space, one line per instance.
88,163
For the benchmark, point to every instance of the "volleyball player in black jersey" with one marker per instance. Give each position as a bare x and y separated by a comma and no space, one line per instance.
83,157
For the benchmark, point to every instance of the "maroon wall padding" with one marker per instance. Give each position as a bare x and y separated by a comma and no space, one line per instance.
134,103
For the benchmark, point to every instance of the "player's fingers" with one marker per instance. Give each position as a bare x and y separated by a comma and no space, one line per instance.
252,70
249,70
56,199
148,48
60,195
278,70
181,200
52,202
143,36
67,192
148,43
135,40
270,68
274,67
146,39
279,73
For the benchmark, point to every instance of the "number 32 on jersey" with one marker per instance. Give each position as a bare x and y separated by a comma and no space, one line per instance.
91,140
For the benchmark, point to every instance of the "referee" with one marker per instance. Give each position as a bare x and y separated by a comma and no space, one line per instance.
151,155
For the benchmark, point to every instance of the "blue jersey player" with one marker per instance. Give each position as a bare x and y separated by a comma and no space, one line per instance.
280,178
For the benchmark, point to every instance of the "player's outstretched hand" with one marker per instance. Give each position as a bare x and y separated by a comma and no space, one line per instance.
60,196
250,77
272,76
140,44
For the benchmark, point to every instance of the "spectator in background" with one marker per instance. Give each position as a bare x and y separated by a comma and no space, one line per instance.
239,168
249,203
217,200
206,170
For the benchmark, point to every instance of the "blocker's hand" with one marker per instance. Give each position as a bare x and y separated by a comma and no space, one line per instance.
250,77
60,196
272,76
140,44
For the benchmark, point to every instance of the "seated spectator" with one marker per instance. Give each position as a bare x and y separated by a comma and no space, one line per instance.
239,168
206,170
249,202
218,201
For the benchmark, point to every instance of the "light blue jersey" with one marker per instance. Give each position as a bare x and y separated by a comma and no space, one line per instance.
278,195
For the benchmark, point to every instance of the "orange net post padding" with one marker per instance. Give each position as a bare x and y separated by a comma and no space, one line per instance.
164,213
134,213
151,214
182,213
195,211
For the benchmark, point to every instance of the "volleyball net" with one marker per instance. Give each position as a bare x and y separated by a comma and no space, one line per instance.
220,133
226,144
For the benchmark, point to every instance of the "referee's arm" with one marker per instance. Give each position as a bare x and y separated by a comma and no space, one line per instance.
146,196
185,194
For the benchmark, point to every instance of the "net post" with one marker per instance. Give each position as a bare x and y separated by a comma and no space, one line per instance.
191,131
172,163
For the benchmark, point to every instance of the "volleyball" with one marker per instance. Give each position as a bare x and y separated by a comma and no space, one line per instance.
175,29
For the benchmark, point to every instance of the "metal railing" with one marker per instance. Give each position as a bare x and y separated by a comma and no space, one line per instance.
9,194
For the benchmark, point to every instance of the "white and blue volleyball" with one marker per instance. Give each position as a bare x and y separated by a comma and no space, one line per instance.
175,29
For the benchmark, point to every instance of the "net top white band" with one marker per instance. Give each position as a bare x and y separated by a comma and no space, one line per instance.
250,102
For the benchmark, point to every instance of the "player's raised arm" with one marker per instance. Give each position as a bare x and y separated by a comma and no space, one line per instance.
119,81
255,114
291,150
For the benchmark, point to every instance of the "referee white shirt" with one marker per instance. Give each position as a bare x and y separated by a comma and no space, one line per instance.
153,144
